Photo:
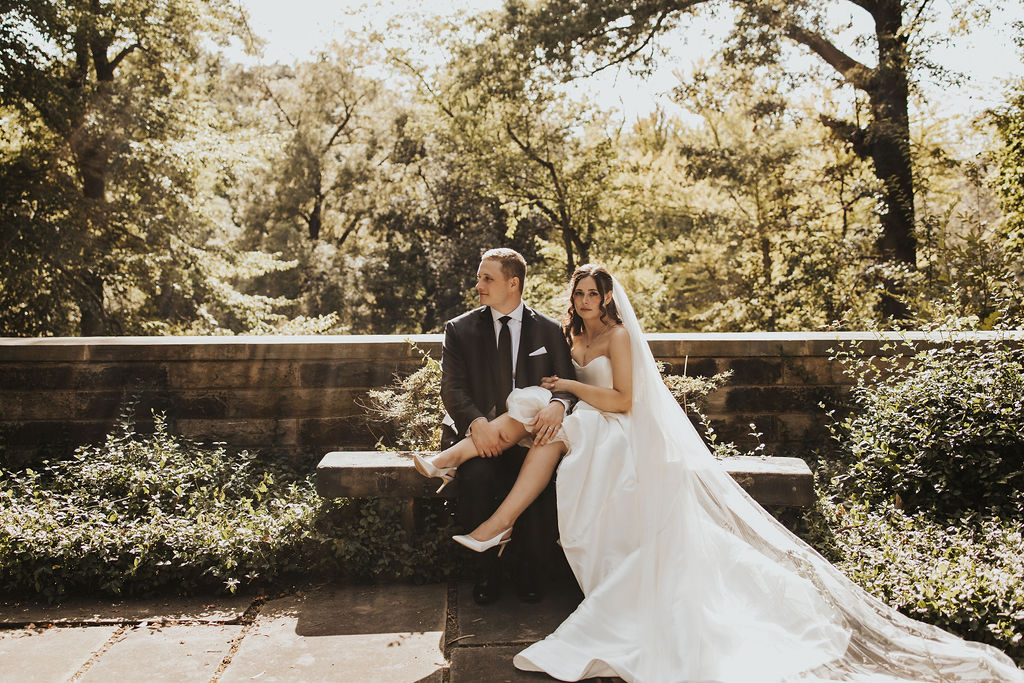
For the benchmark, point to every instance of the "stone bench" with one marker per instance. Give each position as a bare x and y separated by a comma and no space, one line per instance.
388,474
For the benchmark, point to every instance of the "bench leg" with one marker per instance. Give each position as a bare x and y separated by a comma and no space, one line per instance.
409,516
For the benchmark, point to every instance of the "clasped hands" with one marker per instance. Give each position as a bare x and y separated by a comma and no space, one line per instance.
489,438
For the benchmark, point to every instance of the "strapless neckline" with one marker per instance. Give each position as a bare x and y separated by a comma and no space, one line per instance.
591,362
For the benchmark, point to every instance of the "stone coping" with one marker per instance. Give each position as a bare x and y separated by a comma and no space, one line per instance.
397,347
270,339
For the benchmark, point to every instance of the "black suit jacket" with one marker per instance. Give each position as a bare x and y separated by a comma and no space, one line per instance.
469,363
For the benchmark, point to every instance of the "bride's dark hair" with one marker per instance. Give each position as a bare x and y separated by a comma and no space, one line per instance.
573,323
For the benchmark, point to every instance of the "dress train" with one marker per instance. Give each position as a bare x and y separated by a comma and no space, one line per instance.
686,578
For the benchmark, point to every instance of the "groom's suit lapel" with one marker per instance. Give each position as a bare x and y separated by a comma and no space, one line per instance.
488,354
525,347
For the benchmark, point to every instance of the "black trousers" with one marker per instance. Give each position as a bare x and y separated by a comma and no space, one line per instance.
483,483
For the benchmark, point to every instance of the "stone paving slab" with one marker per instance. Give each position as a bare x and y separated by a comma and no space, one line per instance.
509,620
52,654
168,653
86,611
492,664
381,633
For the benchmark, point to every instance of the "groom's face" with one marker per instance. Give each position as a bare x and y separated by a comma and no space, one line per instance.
494,289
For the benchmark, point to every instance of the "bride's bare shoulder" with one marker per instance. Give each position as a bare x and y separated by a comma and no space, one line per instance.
618,338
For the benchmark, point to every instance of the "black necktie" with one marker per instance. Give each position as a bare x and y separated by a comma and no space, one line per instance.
504,364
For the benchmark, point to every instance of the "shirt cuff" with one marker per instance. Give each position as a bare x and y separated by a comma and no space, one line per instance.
565,404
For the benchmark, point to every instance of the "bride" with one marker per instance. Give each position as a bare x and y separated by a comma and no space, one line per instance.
684,576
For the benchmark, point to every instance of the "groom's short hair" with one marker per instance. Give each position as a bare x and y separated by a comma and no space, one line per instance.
512,263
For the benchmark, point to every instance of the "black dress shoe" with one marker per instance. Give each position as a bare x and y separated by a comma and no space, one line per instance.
528,587
487,591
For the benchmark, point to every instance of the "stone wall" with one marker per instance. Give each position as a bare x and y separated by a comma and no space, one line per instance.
300,396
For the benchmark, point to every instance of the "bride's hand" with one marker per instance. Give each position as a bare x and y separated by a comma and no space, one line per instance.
553,383
545,425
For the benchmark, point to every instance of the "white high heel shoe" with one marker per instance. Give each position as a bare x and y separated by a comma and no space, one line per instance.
483,546
430,470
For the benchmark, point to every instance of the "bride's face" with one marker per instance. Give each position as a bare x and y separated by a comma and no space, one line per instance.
586,299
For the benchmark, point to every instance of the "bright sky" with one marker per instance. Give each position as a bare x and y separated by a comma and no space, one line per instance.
294,28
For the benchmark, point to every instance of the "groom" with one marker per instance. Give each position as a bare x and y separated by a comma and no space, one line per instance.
487,352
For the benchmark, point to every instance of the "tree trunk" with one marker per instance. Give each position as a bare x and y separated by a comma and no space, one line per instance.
570,257
91,162
93,317
89,144
315,220
888,144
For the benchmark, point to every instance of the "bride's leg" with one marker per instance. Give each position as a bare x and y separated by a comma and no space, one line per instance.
462,451
538,467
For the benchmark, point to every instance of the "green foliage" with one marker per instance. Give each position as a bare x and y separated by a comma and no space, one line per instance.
962,577
140,513
143,513
781,211
106,212
923,506
941,430
366,542
1009,121
148,186
410,409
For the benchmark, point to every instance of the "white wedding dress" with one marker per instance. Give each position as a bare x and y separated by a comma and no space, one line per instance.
686,578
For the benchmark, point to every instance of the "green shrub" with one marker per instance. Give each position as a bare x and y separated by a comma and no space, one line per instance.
410,409
938,429
148,513
931,475
366,540
963,577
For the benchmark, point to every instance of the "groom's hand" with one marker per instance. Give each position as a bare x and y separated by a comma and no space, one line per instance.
548,420
487,437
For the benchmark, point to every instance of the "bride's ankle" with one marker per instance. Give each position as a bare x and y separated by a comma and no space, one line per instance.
444,459
491,528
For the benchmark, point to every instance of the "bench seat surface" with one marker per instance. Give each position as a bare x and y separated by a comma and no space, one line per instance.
391,474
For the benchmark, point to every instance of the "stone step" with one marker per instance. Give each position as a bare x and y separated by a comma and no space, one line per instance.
391,474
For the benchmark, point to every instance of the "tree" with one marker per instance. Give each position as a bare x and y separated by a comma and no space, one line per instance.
549,160
321,171
1009,122
104,218
623,31
775,214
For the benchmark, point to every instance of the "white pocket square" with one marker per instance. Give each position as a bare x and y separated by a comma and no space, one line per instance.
539,352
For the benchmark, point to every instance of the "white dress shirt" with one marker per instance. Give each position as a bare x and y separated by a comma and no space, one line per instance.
515,328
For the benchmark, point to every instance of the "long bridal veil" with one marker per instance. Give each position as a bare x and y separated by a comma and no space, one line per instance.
736,596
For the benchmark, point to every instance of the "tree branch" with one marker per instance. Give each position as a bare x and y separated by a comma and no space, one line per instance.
425,84
122,54
273,98
549,166
920,11
352,225
349,110
850,132
856,74
630,54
